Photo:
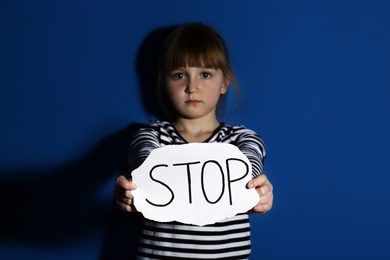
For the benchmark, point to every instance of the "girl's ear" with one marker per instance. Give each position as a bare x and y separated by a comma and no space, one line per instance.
225,85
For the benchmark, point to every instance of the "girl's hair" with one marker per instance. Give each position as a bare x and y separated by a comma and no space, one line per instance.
193,45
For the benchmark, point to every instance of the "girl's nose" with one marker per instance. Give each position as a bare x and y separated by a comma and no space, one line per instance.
192,86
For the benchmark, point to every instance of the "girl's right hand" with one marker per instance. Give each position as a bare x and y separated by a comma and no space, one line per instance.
123,197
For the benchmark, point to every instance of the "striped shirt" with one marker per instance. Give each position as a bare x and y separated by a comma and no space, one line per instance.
226,239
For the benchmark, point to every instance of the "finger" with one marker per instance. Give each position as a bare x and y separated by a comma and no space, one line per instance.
264,189
124,187
125,184
127,194
262,207
127,201
268,198
124,196
124,207
121,181
258,181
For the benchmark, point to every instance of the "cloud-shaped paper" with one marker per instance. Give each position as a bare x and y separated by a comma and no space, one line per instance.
195,183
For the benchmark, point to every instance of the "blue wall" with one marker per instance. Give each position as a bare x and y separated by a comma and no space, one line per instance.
316,82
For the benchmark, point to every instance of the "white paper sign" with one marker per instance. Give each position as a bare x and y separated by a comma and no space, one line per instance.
195,183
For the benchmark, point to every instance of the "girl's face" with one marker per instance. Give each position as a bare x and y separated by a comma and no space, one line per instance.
194,91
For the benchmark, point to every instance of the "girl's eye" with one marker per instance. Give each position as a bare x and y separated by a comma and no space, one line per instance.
178,76
205,75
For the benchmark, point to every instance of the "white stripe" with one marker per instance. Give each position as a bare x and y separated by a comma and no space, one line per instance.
196,237
164,138
194,255
195,246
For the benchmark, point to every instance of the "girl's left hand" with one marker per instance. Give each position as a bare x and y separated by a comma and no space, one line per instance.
265,190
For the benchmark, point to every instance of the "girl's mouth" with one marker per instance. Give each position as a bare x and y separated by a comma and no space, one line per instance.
192,102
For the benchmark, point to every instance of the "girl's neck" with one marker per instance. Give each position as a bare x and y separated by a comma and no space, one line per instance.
196,130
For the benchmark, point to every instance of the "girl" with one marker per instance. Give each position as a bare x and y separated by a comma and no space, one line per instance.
194,73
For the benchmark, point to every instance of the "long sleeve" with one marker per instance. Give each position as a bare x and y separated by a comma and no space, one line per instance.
253,147
141,145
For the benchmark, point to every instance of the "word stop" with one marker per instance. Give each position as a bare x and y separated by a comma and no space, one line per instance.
206,169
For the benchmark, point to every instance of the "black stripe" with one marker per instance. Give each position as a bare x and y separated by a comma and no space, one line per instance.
229,223
159,257
197,242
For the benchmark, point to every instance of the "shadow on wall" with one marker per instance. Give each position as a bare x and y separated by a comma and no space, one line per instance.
147,68
54,207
